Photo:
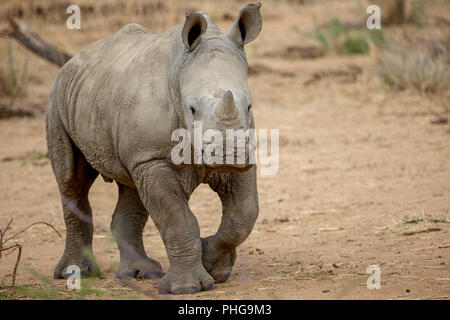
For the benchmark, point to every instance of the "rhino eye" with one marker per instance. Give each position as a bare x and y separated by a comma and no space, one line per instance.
249,107
192,109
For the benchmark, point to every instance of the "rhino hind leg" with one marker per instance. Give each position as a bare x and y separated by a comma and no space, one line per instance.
127,227
74,176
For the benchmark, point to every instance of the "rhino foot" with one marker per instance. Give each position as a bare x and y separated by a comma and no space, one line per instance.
185,282
217,261
88,266
145,269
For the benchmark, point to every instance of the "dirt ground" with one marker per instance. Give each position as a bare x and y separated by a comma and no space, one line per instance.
364,179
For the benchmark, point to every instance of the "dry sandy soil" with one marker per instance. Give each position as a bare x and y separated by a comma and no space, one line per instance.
361,169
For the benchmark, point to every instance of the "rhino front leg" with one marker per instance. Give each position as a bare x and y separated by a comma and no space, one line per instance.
240,210
127,226
163,197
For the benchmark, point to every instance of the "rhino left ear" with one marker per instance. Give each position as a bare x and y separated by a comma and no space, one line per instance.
194,26
248,24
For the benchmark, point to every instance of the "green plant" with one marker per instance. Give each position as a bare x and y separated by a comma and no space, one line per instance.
87,289
340,39
35,157
39,293
45,291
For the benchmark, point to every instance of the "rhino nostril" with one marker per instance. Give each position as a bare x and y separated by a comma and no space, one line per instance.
192,110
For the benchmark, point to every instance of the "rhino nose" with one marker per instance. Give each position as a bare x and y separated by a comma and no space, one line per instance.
226,109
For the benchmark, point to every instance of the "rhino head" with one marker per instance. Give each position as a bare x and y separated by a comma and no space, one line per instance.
208,85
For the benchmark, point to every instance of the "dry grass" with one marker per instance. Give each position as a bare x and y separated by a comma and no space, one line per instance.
420,222
12,76
420,66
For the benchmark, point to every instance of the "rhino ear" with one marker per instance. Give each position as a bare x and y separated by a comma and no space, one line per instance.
194,26
248,24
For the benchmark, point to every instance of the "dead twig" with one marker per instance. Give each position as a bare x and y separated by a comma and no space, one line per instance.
31,225
16,246
16,265
409,233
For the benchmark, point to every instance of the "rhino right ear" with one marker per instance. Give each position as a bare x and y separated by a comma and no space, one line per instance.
194,26
248,24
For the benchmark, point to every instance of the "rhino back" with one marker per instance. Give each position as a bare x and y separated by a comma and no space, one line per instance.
115,100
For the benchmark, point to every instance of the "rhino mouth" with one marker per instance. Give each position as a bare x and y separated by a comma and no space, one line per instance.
234,160
229,168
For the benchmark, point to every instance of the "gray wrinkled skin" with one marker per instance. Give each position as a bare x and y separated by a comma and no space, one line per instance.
112,110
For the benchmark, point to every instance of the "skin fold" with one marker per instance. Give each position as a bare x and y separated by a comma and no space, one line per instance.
112,110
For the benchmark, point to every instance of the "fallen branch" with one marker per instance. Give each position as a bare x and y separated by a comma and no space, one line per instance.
409,233
10,111
21,32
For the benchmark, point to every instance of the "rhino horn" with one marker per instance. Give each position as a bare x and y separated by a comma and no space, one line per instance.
227,110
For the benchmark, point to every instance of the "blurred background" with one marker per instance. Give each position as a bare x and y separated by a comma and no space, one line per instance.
364,146
410,51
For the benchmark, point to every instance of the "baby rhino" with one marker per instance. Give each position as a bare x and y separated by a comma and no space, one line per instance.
113,109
